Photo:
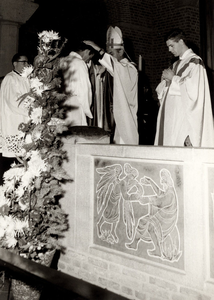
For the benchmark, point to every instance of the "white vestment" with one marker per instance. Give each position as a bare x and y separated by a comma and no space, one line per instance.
99,87
125,98
185,106
11,113
81,95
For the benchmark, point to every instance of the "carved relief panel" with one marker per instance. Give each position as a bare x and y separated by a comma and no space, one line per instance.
138,209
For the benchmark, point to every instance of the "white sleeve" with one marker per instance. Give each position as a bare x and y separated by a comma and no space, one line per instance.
189,83
11,91
107,61
161,90
80,86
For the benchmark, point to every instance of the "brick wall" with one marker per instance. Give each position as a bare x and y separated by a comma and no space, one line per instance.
167,17
145,24
128,281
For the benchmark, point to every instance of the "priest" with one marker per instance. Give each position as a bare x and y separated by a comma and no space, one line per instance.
124,104
185,115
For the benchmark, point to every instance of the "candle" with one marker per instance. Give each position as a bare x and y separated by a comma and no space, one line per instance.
140,63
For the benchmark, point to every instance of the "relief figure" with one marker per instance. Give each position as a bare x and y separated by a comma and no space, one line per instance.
111,189
159,226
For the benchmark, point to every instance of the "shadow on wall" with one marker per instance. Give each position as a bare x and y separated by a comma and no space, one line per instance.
210,74
76,20
194,47
1,78
129,49
147,111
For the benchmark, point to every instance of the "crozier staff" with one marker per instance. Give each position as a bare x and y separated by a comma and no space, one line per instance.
125,87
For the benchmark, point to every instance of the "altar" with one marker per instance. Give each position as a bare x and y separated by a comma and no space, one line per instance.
125,235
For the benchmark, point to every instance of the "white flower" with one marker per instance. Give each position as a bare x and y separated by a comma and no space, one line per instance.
27,178
3,222
20,225
22,152
36,115
13,164
27,71
42,34
36,164
8,225
3,200
37,135
9,185
20,191
14,173
11,226
46,87
39,92
36,85
56,121
46,48
48,36
2,232
28,101
11,241
28,154
39,50
53,35
28,139
23,206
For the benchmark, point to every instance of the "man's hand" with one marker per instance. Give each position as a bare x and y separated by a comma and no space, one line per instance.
167,74
93,45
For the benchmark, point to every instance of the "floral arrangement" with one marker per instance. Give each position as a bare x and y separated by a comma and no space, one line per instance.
32,220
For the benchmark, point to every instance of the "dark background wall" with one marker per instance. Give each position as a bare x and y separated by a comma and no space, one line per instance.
146,22
143,23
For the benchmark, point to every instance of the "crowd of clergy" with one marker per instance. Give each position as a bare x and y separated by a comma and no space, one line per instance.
102,86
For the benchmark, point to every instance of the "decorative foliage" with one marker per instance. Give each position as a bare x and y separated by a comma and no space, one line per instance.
31,217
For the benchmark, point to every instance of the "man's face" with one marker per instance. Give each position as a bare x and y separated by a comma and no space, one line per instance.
175,47
21,63
115,53
87,56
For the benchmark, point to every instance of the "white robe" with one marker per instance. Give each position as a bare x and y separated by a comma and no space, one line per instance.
185,106
125,98
99,87
80,88
11,113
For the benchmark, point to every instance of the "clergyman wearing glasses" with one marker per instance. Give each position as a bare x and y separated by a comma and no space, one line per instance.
11,113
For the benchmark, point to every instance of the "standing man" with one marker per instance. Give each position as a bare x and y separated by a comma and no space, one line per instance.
125,87
12,114
77,84
185,115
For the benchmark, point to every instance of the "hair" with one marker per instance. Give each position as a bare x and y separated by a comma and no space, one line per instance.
175,34
17,56
82,46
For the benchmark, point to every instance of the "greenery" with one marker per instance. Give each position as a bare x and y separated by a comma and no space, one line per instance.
32,220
